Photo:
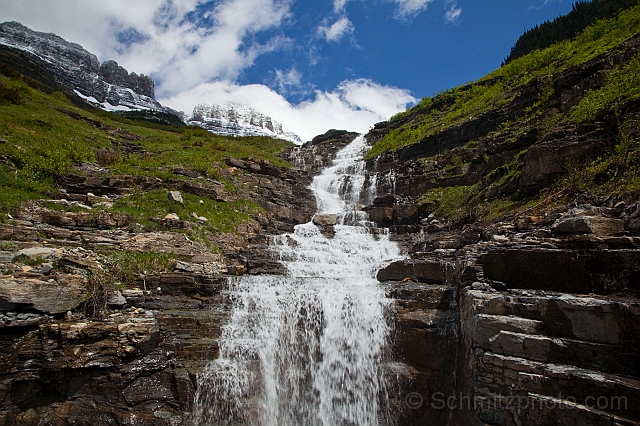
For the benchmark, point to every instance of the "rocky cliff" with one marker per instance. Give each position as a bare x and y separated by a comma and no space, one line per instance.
81,348
108,85
238,120
522,282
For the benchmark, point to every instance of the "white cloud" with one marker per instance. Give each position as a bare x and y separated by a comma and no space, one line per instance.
177,52
408,9
337,30
285,81
355,105
339,5
453,13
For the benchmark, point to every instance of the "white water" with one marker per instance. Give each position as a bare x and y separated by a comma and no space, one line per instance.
306,349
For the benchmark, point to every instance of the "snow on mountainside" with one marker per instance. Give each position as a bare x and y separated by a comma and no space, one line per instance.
107,85
238,120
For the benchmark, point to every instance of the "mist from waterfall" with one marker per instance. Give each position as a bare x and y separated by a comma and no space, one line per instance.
306,348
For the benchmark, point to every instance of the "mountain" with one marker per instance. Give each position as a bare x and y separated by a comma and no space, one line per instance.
107,85
111,87
237,120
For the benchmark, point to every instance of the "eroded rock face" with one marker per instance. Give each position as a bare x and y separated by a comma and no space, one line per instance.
79,70
552,356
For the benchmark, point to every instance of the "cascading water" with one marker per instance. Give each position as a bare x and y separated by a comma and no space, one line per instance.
306,348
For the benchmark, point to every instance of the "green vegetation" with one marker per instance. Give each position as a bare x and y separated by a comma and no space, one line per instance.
9,246
448,199
126,267
43,136
622,82
468,102
583,14
616,171
155,204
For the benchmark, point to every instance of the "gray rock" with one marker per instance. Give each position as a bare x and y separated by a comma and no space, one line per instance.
426,271
325,219
199,218
116,299
33,252
46,268
6,256
187,267
42,296
176,197
596,225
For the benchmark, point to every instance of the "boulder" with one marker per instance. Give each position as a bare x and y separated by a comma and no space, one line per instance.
35,252
597,225
41,296
325,219
426,271
176,197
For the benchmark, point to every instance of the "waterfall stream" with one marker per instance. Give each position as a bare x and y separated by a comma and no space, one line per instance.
306,348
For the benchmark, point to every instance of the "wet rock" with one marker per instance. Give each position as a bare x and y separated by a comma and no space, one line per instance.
426,271
325,219
573,271
559,347
158,387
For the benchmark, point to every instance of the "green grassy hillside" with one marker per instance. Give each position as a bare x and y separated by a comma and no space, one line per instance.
496,90
44,136
556,125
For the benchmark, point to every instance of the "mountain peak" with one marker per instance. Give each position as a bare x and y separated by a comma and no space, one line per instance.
239,120
107,85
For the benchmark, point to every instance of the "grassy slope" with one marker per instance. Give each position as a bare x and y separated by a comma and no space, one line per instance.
45,135
616,172
459,104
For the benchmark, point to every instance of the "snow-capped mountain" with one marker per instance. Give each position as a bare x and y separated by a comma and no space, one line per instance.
111,87
238,120
108,85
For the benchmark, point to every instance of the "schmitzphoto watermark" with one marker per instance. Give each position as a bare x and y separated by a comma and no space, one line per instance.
441,401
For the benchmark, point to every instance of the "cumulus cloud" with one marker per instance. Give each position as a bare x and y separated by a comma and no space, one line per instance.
337,30
354,105
180,42
196,49
408,9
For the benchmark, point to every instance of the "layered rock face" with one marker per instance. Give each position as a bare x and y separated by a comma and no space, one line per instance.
238,120
136,364
529,316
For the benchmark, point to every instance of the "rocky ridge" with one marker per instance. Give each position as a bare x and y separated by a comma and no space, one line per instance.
237,120
107,85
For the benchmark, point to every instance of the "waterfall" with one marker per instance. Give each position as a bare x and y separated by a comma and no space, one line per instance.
306,348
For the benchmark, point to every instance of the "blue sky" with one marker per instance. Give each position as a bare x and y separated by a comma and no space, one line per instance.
310,64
